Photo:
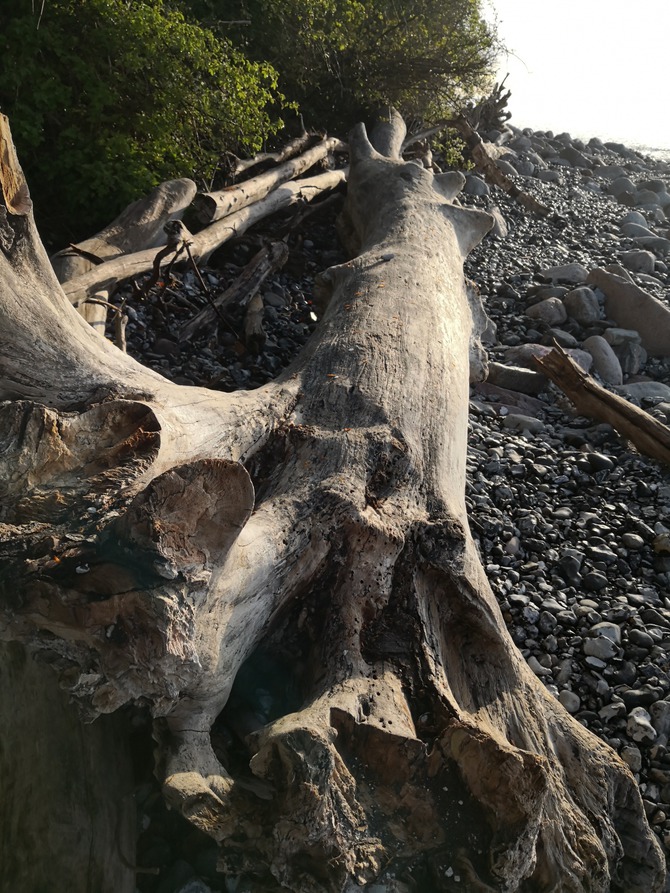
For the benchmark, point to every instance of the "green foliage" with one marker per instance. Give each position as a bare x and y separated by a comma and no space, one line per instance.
452,151
342,59
107,98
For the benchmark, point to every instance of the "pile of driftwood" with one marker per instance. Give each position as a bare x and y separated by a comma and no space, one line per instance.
266,184
151,232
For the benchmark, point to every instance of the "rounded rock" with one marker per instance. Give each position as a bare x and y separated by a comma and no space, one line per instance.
632,756
582,305
551,310
605,361
600,647
570,701
639,727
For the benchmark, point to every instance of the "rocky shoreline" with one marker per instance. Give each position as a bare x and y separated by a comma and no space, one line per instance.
573,525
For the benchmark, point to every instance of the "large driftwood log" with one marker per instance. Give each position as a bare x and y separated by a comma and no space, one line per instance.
164,538
212,206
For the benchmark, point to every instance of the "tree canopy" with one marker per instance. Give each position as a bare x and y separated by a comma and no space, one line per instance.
107,97
340,59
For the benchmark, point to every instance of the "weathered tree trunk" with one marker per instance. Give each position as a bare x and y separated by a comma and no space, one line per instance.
161,539
67,810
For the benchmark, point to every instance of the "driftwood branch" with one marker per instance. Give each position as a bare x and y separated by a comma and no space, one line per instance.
139,226
492,172
292,148
646,433
488,114
491,113
270,258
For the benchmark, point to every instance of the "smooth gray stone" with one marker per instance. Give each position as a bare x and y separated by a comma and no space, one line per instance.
635,217
609,171
660,720
646,197
655,185
574,273
551,310
605,361
636,229
638,390
575,157
548,176
583,305
638,260
523,355
632,541
506,168
632,756
616,336
524,167
516,378
474,185
622,186
570,700
600,647
654,243
517,422
608,630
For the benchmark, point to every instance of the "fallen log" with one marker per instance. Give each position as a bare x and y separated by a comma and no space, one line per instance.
650,436
212,206
117,270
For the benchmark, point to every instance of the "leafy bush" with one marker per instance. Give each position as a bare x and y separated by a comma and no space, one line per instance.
106,98
341,59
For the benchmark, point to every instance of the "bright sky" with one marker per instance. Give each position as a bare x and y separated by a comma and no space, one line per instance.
591,67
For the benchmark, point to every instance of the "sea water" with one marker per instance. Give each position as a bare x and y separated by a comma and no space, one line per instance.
657,154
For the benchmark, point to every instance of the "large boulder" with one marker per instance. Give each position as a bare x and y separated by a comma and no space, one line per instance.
634,308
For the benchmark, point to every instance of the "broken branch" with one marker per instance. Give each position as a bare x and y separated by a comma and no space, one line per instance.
647,434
